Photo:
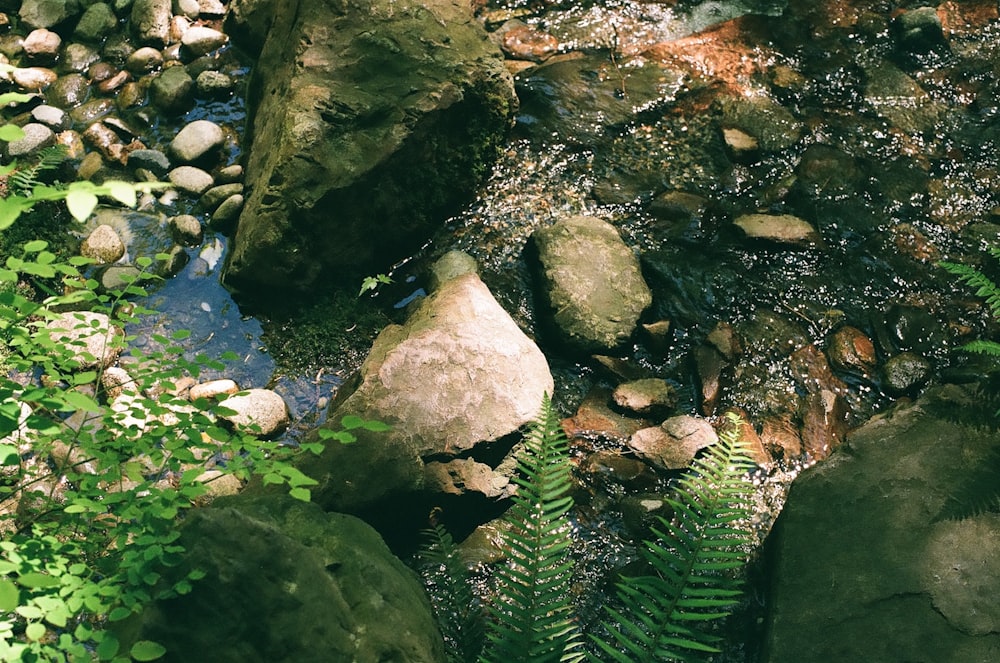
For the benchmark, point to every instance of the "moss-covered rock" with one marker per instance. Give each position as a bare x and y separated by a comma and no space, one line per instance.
370,123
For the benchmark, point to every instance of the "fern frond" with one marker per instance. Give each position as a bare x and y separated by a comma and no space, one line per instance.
692,559
532,619
973,277
459,614
991,348
25,178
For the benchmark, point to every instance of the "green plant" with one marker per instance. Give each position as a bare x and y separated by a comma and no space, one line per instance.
662,616
692,562
371,283
985,287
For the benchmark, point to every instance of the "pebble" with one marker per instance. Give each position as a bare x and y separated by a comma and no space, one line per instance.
150,20
186,229
42,46
905,373
213,388
849,349
36,136
34,78
116,381
107,142
196,140
73,142
224,217
52,117
144,60
92,110
214,84
115,82
152,160
190,179
78,57
103,245
189,8
229,174
527,43
784,229
101,71
645,396
213,8
97,22
69,91
258,411
215,196
118,277
46,13
173,90
89,166
201,40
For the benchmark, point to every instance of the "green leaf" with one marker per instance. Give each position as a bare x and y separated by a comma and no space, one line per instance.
11,132
35,246
80,401
108,647
35,580
118,614
9,596
147,650
302,494
35,631
123,192
81,203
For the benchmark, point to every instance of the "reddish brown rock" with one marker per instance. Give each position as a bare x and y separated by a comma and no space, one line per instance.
781,438
849,349
812,372
749,436
824,423
909,241
595,417
524,42
709,365
674,444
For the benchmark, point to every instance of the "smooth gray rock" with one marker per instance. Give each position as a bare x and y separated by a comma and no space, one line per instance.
258,411
459,372
47,13
390,113
154,161
191,180
592,286
879,554
287,583
196,140
199,40
151,21
97,22
103,245
784,229
172,91
36,136
186,229
52,117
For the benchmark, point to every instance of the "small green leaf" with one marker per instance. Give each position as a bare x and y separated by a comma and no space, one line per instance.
108,647
80,401
118,614
35,631
11,132
81,203
147,650
35,246
301,494
35,580
9,595
123,192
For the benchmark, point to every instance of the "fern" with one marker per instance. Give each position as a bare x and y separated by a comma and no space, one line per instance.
23,179
459,614
663,615
973,277
532,619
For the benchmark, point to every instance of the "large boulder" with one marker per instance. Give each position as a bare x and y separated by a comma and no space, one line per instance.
459,373
285,582
591,282
370,123
889,550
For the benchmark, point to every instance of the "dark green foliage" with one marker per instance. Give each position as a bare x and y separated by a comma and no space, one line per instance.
985,287
23,178
693,565
532,618
459,614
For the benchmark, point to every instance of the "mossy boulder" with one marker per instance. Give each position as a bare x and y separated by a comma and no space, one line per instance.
370,123
285,582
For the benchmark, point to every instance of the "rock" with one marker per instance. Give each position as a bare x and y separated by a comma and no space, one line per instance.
678,206
709,366
849,349
908,240
116,381
918,31
97,22
780,438
52,117
658,335
34,79
103,245
68,91
214,84
144,60
391,113
200,40
78,57
186,229
229,174
154,161
905,373
115,278
458,353
827,171
465,476
219,484
762,119
591,282
197,140
150,21
595,418
36,136
906,327
106,141
450,265
259,412
524,42
225,215
188,8
741,146
784,229
214,197
646,397
190,180
724,339
42,46
47,13
172,91
213,8
213,389
900,99
673,444
92,110
89,337
870,556
324,586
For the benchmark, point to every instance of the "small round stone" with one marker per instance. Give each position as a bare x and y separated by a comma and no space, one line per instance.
200,40
144,60
186,229
196,140
103,245
34,78
36,137
42,45
190,179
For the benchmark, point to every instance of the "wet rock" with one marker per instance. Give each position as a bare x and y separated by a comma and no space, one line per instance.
849,349
78,57
213,389
172,91
909,240
258,411
318,581
780,437
620,369
741,146
196,140
459,352
42,46
646,397
784,229
449,266
392,114
188,8
190,180
52,117
900,99
465,476
918,31
214,197
749,436
709,366
200,40
592,284
90,111
34,79
229,174
90,338
595,418
144,60
225,215
114,83
154,161
657,335
132,94
905,373
883,531
211,8
103,245
97,22
36,136
106,141
150,20
214,84
117,47
47,13
68,91
186,229
673,444
762,118
906,327
611,467
723,337
827,171
824,415
527,43
115,278
678,206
